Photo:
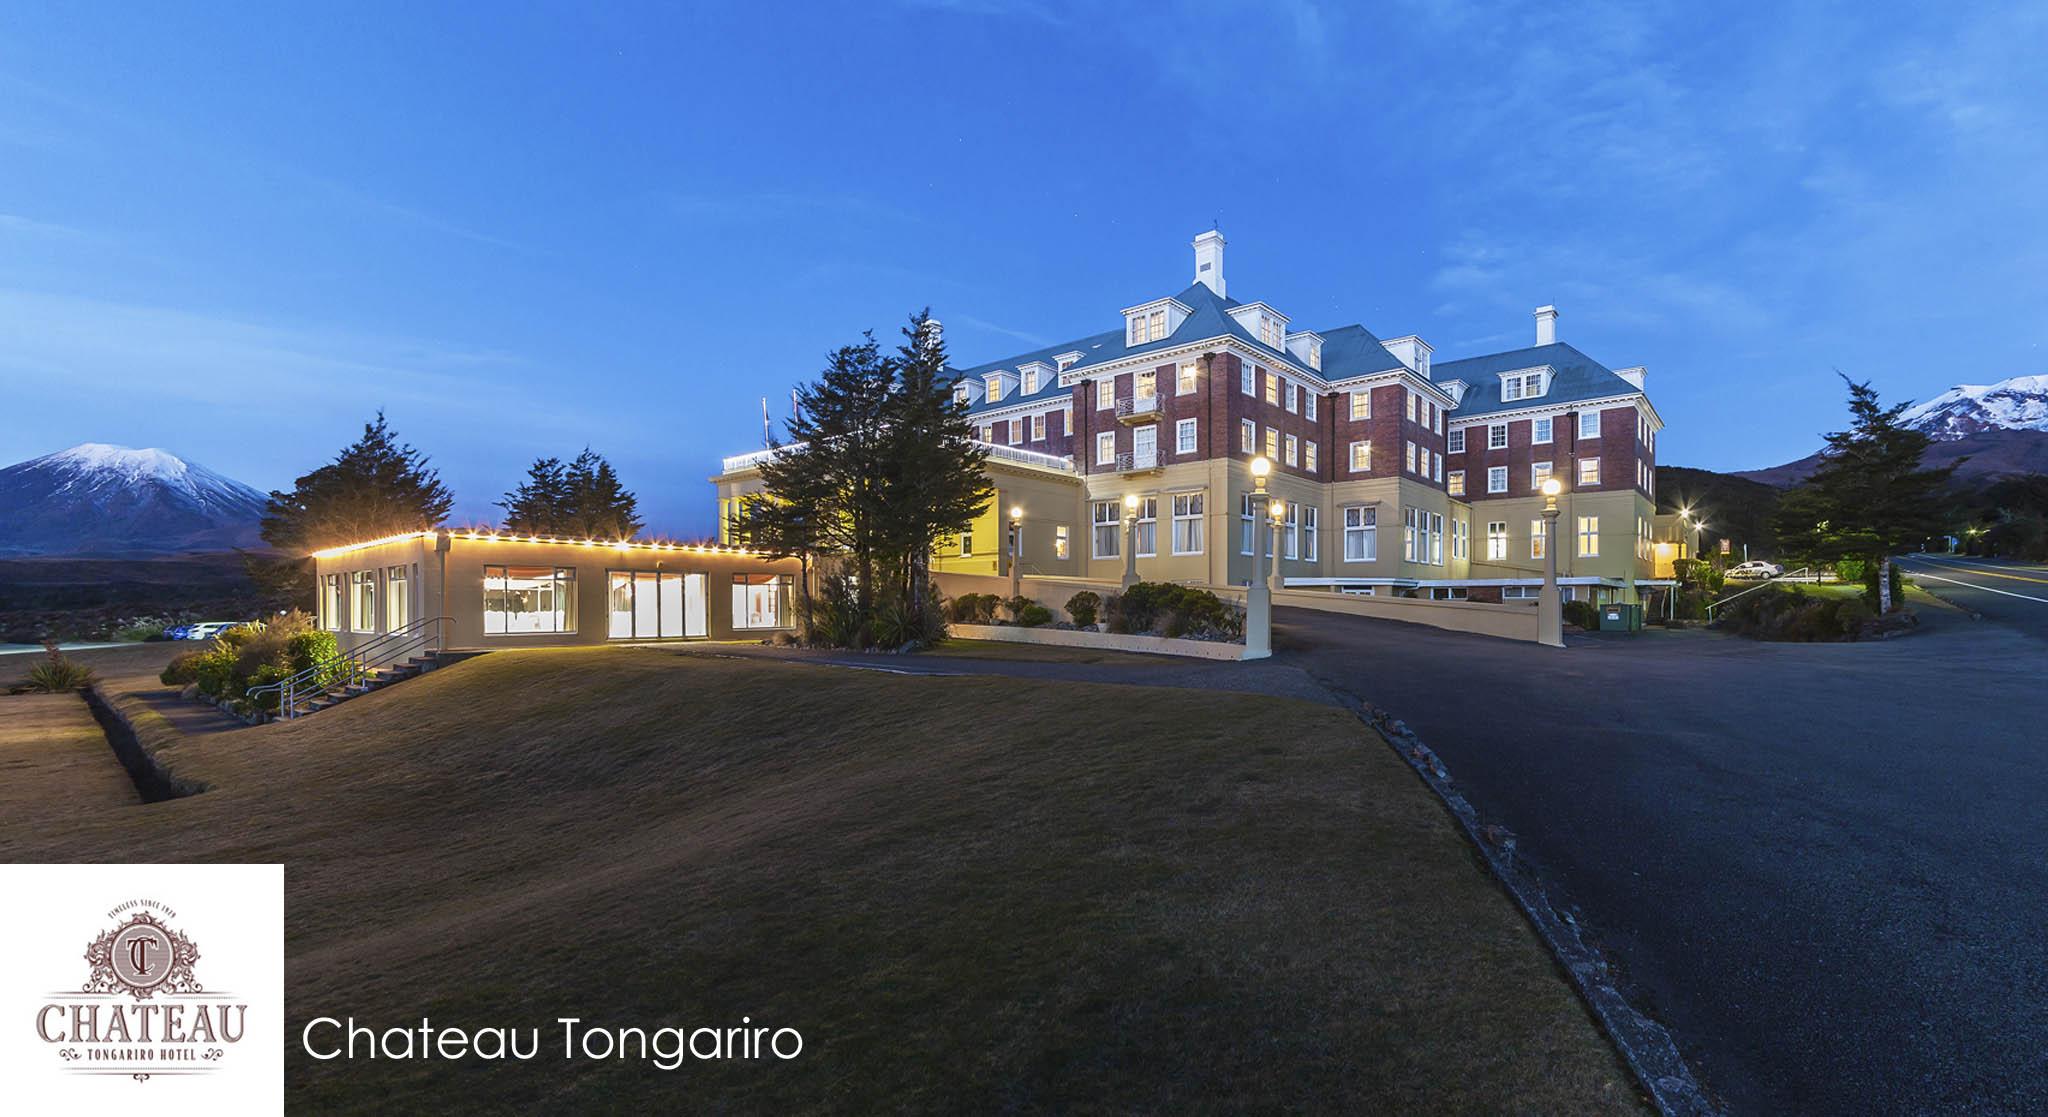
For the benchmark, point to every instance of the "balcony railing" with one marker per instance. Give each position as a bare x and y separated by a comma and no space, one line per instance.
738,462
1137,409
1131,461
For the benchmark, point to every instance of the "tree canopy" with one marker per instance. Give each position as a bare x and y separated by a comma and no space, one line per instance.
376,486
582,498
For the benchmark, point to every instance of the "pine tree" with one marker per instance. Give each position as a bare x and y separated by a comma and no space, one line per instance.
598,505
375,487
540,505
1877,499
936,482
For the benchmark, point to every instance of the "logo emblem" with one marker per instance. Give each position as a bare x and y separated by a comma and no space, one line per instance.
141,958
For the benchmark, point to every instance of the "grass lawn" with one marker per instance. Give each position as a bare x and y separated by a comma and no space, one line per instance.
968,894
55,765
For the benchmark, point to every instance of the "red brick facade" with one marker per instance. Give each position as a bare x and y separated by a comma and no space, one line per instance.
1618,448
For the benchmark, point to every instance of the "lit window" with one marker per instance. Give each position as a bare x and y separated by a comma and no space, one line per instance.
657,605
1455,442
1103,514
1536,538
1272,443
960,394
1497,436
1361,534
1309,546
1361,405
1038,428
1145,385
966,544
1272,388
1436,539
994,380
529,599
1456,483
1539,472
1539,431
1016,430
1408,457
1248,436
1411,403
1105,394
1497,540
1137,329
1589,536
1156,321
1247,520
1066,361
362,596
1460,544
1589,473
1061,546
1293,450
1497,479
1184,436
988,432
1105,448
1589,424
1308,456
1186,384
1030,380
1187,523
1148,526
397,598
1361,457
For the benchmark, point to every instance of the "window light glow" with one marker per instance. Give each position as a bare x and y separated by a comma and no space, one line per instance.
513,537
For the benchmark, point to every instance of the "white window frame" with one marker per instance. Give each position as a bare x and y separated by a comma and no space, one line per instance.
1272,387
1308,455
1461,542
1248,436
1272,443
1540,430
1497,479
1105,447
1361,456
1293,450
1454,442
1184,382
1105,394
1496,436
1536,538
1589,537
1496,540
1187,523
1408,456
1288,392
1456,484
1186,437
1583,417
1062,542
1361,404
1311,546
1030,382
1308,404
1038,427
1361,533
1148,527
1114,526
1247,380
1583,480
1538,473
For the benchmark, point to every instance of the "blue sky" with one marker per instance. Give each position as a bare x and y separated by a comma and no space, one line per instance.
235,232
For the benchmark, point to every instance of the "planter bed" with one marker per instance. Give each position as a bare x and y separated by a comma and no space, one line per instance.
1107,641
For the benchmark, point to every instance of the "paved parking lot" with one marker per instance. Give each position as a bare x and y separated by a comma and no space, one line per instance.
1821,865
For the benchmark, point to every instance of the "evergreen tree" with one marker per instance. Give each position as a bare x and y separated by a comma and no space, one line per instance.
598,505
540,505
375,487
1876,499
935,484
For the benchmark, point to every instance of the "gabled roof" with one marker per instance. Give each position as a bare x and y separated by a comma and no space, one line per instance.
1347,350
1575,377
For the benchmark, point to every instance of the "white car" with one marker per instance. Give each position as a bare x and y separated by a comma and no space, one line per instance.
1756,569
207,630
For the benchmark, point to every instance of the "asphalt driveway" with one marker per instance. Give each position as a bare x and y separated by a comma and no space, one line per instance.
1822,866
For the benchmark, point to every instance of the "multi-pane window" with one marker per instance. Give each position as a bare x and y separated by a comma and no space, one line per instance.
1439,420
1454,442
1497,436
1539,431
1308,404
330,602
1361,534
1030,381
1438,462
1105,448
1247,522
1155,325
1589,424
1038,428
1289,392
967,544
1272,443
1310,548
1103,515
654,605
1423,454
1497,479
529,599
1361,405
1145,385
758,601
1411,403
1527,386
1187,523
1293,450
1408,457
397,598
994,380
1247,381
1105,394
1361,457
1436,539
1589,536
1410,533
1589,473
1460,544
1248,436
362,597
1269,331
1455,483
1184,436
1497,540
1273,387
1290,531
1185,384
1536,538
1148,526
1061,545
988,432
1308,456
1016,430
1539,472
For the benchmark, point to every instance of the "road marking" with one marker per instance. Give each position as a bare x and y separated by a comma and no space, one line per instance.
1981,570
1975,586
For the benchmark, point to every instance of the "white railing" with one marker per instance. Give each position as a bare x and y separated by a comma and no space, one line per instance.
1137,406
1130,460
353,666
738,462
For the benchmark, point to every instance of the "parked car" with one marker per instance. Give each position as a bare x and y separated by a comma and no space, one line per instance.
207,630
1755,569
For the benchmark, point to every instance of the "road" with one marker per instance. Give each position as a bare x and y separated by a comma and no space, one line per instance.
1823,866
2009,593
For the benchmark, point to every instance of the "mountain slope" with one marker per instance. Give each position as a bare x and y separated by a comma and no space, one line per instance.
101,499
2002,429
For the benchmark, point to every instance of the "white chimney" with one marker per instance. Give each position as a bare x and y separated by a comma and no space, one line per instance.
1209,260
1633,374
1546,325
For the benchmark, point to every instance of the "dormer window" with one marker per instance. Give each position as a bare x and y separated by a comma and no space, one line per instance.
1066,361
1315,357
994,380
1150,326
1269,331
960,393
1030,381
1153,321
1523,385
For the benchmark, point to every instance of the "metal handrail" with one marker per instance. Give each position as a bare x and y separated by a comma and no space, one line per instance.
347,668
1767,583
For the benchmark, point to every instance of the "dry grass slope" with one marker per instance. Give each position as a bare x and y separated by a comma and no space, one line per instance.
968,894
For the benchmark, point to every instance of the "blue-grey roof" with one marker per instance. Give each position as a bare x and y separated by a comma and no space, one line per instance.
1575,377
1347,350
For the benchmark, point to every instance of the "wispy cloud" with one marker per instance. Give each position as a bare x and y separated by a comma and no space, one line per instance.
17,225
1037,340
1032,10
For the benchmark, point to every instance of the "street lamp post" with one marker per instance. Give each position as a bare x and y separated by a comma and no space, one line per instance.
1130,540
1550,606
1016,552
1258,594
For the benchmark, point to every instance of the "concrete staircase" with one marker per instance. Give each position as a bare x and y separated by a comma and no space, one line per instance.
382,677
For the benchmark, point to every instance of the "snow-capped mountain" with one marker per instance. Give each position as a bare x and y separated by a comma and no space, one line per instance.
2020,403
96,498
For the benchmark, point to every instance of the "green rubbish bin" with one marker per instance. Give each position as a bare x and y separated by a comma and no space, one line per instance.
1621,616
